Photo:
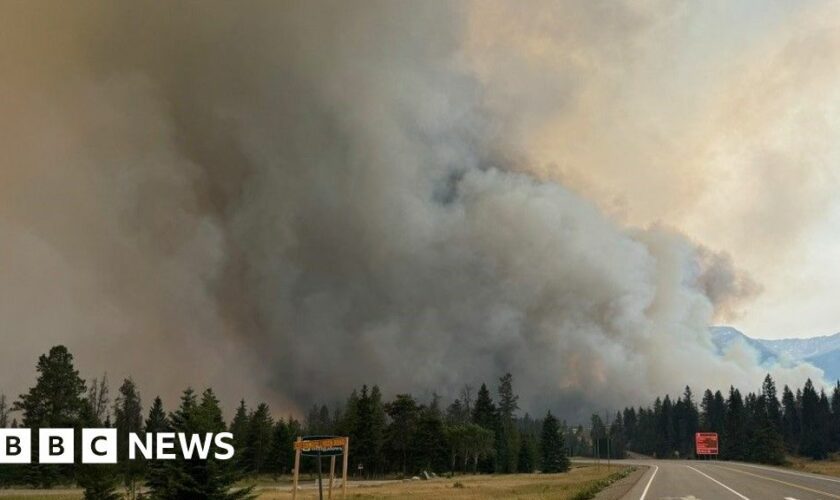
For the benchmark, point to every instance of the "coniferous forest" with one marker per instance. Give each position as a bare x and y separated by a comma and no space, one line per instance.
758,427
482,431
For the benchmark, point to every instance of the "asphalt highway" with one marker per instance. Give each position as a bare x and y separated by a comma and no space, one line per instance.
713,480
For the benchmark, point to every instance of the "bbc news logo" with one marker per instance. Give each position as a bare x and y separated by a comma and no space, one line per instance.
99,446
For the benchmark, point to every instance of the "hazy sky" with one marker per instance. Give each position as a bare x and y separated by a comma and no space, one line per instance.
718,118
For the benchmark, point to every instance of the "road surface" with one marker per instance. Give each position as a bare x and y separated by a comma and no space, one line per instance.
712,480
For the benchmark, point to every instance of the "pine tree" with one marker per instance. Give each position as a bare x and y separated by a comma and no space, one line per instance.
790,421
456,413
507,438
630,432
239,429
484,415
99,481
404,413
258,444
617,436
765,444
554,457
281,459
56,401
735,431
688,424
368,431
429,441
348,419
156,470
835,418
774,408
813,437
128,416
527,459
196,478
484,411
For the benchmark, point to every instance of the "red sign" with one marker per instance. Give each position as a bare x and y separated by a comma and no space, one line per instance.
707,443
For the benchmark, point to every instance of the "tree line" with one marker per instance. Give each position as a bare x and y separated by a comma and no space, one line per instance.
758,427
401,437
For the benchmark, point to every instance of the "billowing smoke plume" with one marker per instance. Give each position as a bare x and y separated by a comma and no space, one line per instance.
286,200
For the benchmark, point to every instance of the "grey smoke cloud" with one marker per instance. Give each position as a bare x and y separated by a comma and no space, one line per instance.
286,200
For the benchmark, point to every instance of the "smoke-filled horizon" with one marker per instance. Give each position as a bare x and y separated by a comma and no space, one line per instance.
286,200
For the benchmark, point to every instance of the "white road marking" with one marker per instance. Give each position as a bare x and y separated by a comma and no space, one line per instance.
791,498
768,478
785,471
718,482
644,493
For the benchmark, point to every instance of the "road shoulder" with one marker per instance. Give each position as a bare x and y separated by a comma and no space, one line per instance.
621,487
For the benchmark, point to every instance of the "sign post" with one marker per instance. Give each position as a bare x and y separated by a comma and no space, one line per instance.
706,443
319,447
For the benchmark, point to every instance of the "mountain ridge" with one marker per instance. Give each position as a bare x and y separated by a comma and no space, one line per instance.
822,351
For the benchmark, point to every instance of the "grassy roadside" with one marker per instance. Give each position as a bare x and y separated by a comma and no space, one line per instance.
581,483
594,487
829,467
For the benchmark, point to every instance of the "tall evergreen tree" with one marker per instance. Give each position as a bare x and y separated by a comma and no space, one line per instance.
99,481
527,460
834,424
765,444
239,429
281,459
617,436
156,470
507,438
429,441
456,413
688,422
553,450
771,398
56,401
259,440
128,417
368,431
630,432
790,421
196,478
812,426
735,430
404,413
484,415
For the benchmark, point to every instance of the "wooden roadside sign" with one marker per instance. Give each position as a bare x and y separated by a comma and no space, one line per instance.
320,447
326,446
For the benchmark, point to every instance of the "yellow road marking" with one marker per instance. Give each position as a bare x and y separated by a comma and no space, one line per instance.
812,490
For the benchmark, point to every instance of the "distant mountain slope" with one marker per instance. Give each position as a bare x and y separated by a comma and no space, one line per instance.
822,352
829,362
724,336
805,348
